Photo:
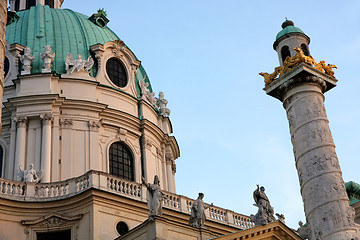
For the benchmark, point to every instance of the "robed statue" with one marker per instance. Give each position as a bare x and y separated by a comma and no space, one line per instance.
155,197
198,208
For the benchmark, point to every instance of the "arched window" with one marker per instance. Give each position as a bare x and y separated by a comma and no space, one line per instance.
30,3
285,52
1,161
6,66
121,163
305,49
50,3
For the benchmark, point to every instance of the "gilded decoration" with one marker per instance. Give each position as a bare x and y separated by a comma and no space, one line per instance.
291,62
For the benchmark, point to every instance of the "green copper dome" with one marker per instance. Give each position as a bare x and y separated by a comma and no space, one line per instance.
287,30
64,30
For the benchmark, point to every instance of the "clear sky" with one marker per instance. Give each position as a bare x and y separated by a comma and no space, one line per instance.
205,55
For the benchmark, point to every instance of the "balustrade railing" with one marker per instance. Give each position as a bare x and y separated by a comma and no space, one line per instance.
12,188
94,179
124,187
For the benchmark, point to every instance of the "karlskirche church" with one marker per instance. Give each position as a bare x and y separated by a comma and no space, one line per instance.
87,150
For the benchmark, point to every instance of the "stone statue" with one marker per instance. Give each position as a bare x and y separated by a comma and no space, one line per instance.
78,64
30,175
198,208
146,94
155,197
26,60
304,231
47,57
161,103
265,212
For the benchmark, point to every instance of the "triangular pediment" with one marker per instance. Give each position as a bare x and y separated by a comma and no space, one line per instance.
275,230
52,219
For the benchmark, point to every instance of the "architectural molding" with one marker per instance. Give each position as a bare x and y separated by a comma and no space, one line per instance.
94,125
46,118
52,222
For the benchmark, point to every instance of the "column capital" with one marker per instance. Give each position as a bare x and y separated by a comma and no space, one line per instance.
302,73
46,118
67,122
94,125
21,121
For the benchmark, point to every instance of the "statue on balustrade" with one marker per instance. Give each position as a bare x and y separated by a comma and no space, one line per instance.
155,197
265,212
30,175
198,208
26,59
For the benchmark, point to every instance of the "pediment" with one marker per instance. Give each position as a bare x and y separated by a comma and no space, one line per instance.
275,230
51,220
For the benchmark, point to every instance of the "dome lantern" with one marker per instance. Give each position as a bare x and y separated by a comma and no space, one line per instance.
288,38
19,5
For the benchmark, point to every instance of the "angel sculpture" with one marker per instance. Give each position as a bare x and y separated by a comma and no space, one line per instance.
47,57
78,64
146,94
30,175
26,60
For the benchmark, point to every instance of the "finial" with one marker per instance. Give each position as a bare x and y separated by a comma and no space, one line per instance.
287,23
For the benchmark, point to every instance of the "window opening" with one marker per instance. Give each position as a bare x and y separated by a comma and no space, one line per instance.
121,161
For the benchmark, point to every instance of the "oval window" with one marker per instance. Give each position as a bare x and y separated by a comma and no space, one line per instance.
122,228
116,72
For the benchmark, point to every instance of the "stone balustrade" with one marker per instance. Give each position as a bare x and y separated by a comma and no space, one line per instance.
35,192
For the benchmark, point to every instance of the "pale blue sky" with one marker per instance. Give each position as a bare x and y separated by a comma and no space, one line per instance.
206,56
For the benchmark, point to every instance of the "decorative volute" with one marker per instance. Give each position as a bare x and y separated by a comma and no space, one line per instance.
19,5
288,38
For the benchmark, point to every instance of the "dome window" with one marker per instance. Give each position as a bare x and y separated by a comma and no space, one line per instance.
17,5
50,3
6,66
100,18
30,3
121,162
285,52
116,72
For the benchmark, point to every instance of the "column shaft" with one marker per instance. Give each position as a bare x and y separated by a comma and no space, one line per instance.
20,147
324,195
46,148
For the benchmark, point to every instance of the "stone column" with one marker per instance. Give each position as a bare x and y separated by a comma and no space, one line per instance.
3,20
20,147
325,200
46,147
